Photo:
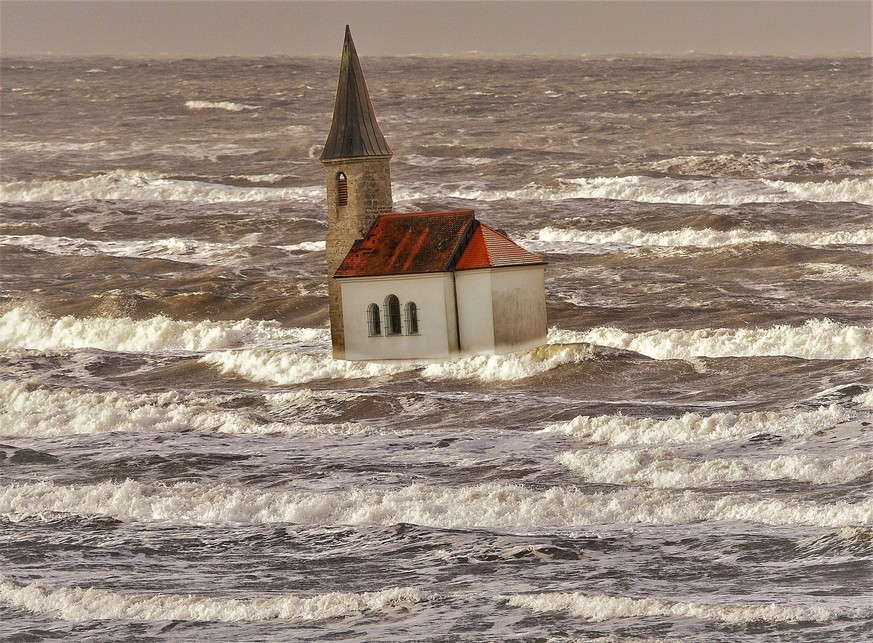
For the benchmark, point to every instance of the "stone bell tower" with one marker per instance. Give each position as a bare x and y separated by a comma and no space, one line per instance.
355,158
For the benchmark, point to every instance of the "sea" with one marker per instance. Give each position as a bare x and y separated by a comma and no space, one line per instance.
688,458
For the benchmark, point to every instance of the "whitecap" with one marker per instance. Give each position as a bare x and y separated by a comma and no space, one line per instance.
703,238
34,412
600,607
815,339
147,186
222,105
665,468
24,328
88,604
716,191
694,427
490,505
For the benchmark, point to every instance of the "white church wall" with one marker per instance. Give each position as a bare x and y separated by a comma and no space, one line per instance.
475,318
519,304
434,299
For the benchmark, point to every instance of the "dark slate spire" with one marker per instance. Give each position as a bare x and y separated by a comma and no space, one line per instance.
354,131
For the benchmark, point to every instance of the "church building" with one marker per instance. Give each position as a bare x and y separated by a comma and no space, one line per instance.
422,285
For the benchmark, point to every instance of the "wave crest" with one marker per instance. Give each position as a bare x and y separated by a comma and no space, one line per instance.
603,608
483,505
815,339
86,604
693,427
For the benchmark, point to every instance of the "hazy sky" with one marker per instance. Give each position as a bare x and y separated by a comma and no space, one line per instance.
427,27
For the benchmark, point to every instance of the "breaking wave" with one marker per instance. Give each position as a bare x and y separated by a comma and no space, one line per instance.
693,427
87,604
35,413
750,165
24,328
173,249
223,104
716,191
664,468
705,238
815,339
147,186
284,367
603,608
484,505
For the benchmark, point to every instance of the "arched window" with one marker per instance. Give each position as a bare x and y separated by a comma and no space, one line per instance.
392,315
411,318
342,189
374,320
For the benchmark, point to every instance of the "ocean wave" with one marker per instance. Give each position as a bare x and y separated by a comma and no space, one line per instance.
222,105
694,427
24,328
705,238
600,607
511,366
864,400
147,186
716,191
87,604
664,468
815,339
284,367
485,505
36,413
750,165
173,249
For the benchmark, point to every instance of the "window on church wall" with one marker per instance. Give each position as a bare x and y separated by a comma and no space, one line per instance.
342,189
374,320
411,318
392,315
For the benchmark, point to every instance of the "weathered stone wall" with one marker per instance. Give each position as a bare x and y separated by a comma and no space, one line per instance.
369,195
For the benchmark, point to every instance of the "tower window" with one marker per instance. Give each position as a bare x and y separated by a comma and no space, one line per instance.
374,320
342,189
392,315
411,318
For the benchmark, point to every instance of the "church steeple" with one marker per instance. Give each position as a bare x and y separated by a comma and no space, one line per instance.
356,160
354,131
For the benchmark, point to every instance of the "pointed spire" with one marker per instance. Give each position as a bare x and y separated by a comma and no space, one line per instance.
354,131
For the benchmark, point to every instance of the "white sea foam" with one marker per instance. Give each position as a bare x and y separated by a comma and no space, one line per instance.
284,367
693,427
305,246
484,505
751,165
174,249
222,104
35,413
665,468
705,238
646,189
21,327
511,366
147,186
601,607
815,339
88,604
864,400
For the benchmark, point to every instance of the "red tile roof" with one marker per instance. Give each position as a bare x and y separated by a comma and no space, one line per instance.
423,242
404,244
491,249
